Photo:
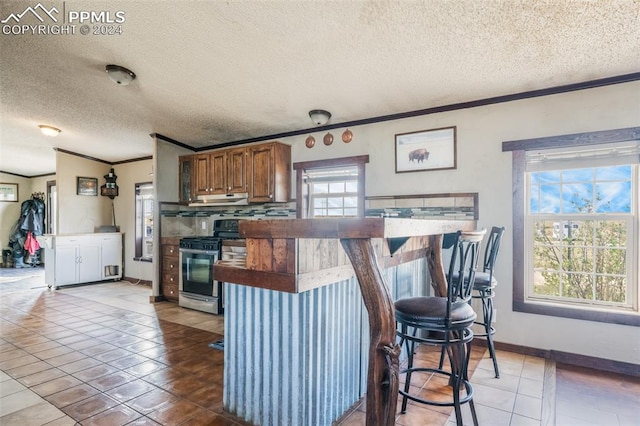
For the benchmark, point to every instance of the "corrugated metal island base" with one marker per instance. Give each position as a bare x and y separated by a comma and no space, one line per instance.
309,322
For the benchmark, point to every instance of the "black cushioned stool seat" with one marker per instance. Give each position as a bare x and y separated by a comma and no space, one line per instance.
445,321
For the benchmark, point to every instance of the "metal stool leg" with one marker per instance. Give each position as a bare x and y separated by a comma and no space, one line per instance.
487,317
407,381
459,378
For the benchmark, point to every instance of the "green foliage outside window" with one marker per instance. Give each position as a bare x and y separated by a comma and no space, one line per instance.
580,239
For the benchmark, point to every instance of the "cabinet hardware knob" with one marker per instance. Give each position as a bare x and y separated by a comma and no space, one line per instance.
171,266
171,279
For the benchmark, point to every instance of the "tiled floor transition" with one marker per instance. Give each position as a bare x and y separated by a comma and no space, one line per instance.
101,354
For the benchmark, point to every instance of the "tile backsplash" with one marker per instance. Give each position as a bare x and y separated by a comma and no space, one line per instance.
179,220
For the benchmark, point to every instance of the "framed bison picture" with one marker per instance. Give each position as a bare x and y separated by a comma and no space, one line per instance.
433,149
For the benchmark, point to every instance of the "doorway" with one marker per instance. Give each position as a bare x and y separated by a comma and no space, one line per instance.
52,207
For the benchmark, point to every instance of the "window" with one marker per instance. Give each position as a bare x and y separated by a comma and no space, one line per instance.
333,191
331,188
144,221
580,225
576,226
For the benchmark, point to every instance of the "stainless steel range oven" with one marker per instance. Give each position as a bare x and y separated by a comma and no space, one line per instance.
198,288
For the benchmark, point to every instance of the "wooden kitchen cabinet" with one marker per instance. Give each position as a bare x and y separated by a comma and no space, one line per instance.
170,268
210,173
269,173
186,179
237,170
263,171
201,174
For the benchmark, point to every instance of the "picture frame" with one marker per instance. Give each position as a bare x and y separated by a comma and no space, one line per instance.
87,186
9,192
426,150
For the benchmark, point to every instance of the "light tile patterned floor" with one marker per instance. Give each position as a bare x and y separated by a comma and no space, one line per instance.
103,355
514,399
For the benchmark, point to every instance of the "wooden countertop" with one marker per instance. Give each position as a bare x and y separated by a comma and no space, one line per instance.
374,227
297,255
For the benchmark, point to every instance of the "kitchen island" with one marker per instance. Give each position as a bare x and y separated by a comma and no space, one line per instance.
299,346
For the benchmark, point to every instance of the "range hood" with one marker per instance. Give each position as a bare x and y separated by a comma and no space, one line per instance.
238,199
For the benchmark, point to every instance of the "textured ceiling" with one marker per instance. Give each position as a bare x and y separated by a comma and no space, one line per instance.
217,71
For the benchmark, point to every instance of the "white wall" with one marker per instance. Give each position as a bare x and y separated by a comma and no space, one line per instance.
80,213
10,211
128,175
484,168
165,188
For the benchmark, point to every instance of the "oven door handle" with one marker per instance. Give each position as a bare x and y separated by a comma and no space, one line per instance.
196,251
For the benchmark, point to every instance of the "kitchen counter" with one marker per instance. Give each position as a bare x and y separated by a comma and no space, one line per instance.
298,255
306,333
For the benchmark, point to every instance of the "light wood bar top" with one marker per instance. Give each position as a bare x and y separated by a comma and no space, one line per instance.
298,255
373,227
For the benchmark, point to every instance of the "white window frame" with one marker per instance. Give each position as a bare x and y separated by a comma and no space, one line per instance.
631,247
142,239
304,194
338,175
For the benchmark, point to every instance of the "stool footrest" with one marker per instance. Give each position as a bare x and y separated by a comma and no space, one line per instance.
477,334
463,399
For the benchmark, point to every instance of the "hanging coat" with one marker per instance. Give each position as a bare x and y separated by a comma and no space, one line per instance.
32,216
31,244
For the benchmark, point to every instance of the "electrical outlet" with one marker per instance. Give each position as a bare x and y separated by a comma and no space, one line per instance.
204,225
493,320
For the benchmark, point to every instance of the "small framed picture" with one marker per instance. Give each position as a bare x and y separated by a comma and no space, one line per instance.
424,150
87,186
9,192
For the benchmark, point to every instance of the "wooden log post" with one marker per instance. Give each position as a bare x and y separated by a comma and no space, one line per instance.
384,352
436,268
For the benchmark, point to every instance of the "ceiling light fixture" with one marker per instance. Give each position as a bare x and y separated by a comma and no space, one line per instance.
319,116
120,75
49,130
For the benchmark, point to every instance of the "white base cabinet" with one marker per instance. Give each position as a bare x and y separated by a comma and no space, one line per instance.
82,258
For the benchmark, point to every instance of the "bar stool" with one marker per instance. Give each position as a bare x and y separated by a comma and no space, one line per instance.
445,322
484,289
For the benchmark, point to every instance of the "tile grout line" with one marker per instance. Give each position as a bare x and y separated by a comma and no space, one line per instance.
549,394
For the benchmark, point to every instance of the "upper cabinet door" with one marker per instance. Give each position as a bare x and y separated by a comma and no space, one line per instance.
237,170
261,175
186,180
269,173
201,169
218,172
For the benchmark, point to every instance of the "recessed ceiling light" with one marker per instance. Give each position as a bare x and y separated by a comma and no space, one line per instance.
120,75
49,130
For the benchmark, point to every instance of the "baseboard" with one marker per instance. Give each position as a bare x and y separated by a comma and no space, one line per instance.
609,365
137,281
156,299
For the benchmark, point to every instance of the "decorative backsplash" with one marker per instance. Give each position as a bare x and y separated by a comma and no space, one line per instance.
180,220
257,210
424,206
